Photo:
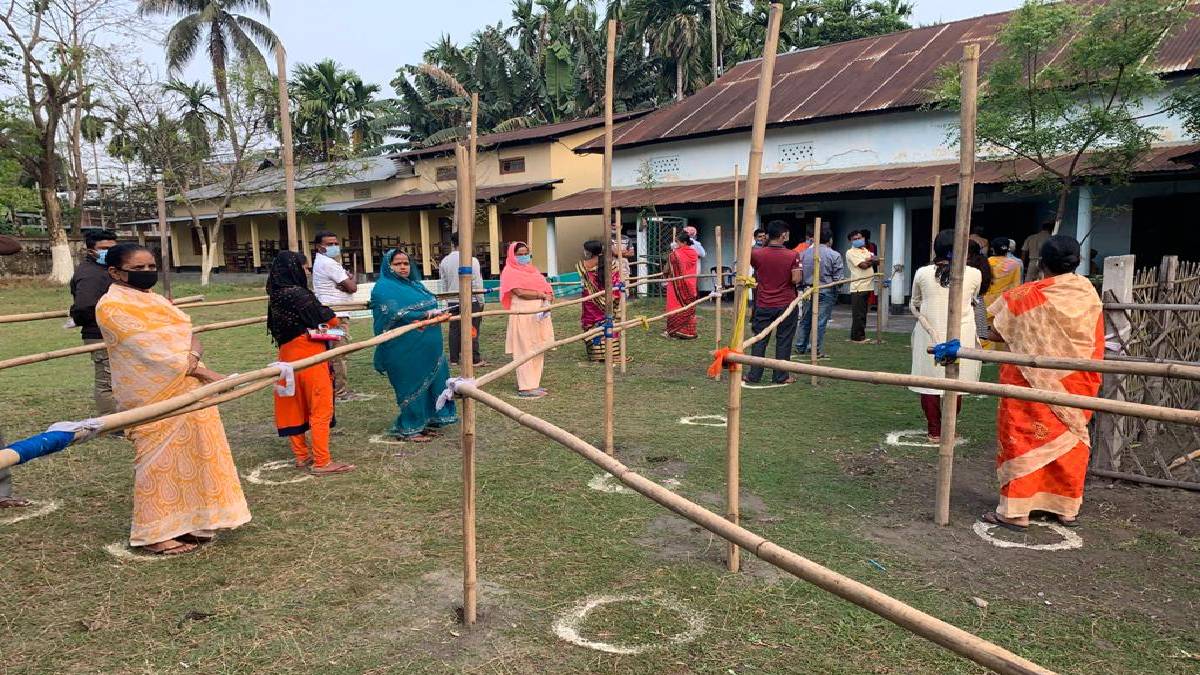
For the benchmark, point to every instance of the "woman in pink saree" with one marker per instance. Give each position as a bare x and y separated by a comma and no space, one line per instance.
683,262
522,287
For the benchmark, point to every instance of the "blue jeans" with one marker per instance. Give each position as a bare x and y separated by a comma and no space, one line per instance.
829,298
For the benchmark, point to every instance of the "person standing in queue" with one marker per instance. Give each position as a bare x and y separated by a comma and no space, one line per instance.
777,270
89,283
448,283
861,263
333,285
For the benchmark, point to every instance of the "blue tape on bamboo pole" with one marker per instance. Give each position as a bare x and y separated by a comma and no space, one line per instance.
45,443
946,352
466,270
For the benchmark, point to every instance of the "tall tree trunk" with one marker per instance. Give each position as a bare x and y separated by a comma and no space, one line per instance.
62,265
99,185
678,79
76,143
222,85
1064,194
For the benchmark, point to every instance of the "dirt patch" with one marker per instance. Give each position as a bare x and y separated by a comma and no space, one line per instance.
654,464
1139,554
426,618
674,540
751,506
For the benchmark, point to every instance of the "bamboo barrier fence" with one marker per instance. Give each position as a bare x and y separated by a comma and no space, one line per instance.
189,301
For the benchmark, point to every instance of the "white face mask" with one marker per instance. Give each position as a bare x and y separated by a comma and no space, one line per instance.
334,251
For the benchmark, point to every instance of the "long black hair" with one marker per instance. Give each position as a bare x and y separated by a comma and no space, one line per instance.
684,238
1060,254
595,249
943,249
977,259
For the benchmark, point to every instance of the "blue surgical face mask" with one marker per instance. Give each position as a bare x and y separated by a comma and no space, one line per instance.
101,256
524,259
334,251
858,243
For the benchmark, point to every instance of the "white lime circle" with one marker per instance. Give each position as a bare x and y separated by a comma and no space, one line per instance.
567,627
1070,540
255,476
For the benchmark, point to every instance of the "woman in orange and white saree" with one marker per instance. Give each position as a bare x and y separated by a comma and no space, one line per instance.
185,484
1043,450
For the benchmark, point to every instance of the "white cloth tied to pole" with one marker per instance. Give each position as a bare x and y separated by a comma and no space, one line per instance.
288,375
451,390
90,427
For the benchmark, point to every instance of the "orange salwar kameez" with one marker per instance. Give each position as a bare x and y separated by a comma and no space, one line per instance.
311,408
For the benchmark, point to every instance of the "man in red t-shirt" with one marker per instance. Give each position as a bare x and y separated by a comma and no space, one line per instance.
777,270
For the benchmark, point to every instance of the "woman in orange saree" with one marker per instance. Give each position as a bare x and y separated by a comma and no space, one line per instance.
683,262
1043,450
185,484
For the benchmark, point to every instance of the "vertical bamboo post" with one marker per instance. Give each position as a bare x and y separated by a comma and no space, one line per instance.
936,220
603,272
617,240
744,244
717,286
466,231
881,302
962,227
736,216
285,148
164,238
814,331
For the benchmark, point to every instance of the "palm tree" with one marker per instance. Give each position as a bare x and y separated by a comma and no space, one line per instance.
195,112
675,31
361,111
525,27
321,92
228,34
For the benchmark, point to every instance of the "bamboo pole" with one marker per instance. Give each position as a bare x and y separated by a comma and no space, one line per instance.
720,267
466,230
1142,410
618,240
603,271
736,216
733,413
1088,365
955,639
136,416
1150,307
1149,480
936,220
164,237
285,148
882,298
63,313
814,332
962,228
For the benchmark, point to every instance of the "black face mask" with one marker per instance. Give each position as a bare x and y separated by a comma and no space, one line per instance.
142,279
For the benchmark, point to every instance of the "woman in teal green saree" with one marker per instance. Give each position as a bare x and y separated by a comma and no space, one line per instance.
415,362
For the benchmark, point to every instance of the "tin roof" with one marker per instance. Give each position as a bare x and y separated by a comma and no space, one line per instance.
868,75
317,174
329,207
422,200
810,184
544,132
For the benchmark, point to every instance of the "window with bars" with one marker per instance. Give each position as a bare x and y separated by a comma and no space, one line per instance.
512,165
664,166
362,193
445,173
795,153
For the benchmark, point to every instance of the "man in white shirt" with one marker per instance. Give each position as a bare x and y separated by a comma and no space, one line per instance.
333,285
448,276
860,261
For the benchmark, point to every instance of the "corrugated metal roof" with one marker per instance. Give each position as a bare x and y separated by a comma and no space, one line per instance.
810,184
422,200
320,174
331,207
888,72
545,132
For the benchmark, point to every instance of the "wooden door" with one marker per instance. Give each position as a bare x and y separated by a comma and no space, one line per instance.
229,235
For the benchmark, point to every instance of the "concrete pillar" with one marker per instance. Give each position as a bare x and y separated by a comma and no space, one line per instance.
643,248
899,254
1083,229
551,247
368,254
493,215
174,232
255,254
426,248
304,245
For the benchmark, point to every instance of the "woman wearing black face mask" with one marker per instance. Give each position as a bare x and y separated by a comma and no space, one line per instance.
185,483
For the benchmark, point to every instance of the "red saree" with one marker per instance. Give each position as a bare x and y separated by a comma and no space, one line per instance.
683,261
1043,450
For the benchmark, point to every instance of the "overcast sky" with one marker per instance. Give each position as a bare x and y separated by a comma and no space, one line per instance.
374,37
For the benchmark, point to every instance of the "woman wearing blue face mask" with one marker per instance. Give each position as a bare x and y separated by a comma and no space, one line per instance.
522,287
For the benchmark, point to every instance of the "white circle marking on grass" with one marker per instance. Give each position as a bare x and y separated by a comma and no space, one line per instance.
718,421
121,551
34,510
567,626
606,482
898,438
1070,540
255,476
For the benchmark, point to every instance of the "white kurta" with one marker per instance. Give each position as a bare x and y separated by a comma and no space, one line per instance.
933,301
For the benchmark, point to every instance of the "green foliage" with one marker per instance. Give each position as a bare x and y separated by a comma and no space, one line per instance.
1081,112
333,110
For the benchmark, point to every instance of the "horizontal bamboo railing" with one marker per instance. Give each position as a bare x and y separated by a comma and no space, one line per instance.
189,301
1150,307
1089,365
961,642
1152,412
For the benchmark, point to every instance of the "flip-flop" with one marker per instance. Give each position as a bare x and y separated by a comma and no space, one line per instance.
993,518
14,503
190,538
1067,523
331,469
181,549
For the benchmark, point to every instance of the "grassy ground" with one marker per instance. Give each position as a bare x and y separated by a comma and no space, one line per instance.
360,573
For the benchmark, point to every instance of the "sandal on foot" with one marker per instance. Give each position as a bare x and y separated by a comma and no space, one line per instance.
197,537
169,547
416,438
331,469
993,518
14,503
304,465
1073,522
